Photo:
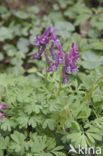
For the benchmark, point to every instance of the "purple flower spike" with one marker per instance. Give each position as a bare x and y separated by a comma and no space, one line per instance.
60,57
52,51
3,106
2,115
36,42
46,33
43,39
74,52
53,68
47,59
38,55
35,56
71,60
58,44
53,36
65,79
41,42
40,51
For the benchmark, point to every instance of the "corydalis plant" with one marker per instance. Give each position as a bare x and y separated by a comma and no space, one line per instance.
69,61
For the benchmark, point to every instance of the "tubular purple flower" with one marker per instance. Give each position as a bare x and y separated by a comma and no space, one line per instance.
53,35
53,54
71,58
47,59
35,56
46,33
60,51
75,52
41,42
39,53
65,78
58,44
43,39
52,68
36,42
3,106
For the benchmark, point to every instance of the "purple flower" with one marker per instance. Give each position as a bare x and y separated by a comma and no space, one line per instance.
59,53
60,59
43,39
53,68
53,35
71,59
56,42
41,42
71,63
53,54
65,78
3,106
38,55
56,56
47,59
2,115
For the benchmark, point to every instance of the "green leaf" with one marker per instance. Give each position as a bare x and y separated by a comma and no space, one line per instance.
75,125
3,10
4,143
32,122
50,123
33,9
82,18
22,45
7,125
96,136
96,44
22,120
21,14
5,33
18,143
10,49
91,60
18,137
64,28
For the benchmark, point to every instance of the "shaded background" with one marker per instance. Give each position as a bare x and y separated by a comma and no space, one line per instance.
80,21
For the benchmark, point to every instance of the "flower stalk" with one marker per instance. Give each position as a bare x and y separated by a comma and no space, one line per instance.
60,82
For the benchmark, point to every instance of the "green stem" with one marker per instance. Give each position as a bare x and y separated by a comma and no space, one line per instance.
60,83
46,75
46,78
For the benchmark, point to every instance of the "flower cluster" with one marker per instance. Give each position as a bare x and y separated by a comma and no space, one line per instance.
70,59
41,42
71,62
2,115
